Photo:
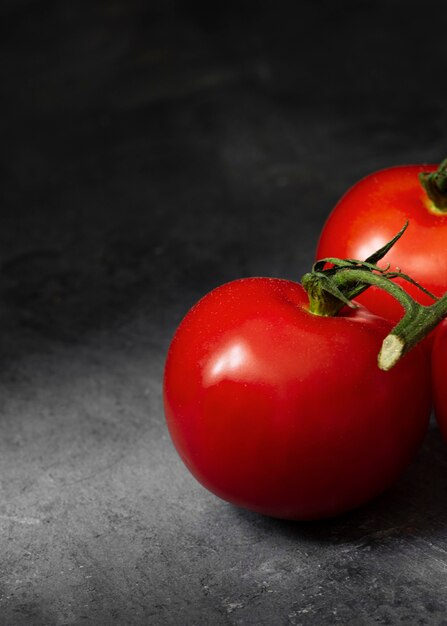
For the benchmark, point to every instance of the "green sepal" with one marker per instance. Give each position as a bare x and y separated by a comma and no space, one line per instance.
380,253
332,288
435,186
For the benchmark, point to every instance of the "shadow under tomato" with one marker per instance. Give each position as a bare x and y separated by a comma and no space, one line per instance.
415,506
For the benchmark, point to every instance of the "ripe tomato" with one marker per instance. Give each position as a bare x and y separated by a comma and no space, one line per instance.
439,368
284,412
370,213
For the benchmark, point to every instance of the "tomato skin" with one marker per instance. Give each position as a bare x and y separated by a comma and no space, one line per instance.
371,213
286,413
439,369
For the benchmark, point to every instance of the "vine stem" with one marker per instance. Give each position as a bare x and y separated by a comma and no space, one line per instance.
329,290
351,280
416,324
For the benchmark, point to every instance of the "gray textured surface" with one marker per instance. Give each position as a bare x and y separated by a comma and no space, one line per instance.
147,154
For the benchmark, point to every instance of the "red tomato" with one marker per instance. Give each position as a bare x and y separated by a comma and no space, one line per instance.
284,412
439,368
371,213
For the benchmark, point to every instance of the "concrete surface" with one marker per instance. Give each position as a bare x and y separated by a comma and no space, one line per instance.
149,152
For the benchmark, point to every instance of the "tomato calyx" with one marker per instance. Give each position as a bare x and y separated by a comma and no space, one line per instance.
435,186
330,289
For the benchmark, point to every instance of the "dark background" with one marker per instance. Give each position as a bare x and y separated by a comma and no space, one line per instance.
150,151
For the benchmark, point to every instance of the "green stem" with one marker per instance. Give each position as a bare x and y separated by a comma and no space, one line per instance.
435,186
330,289
348,282
416,324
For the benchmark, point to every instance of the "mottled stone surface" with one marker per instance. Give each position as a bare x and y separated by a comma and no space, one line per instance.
148,152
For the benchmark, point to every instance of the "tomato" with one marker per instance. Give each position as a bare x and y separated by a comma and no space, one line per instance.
286,413
370,213
439,368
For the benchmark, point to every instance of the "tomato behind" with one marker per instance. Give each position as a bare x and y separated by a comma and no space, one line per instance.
439,369
371,213
286,413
